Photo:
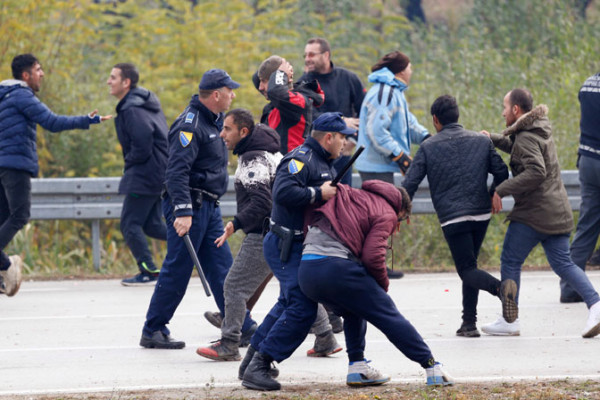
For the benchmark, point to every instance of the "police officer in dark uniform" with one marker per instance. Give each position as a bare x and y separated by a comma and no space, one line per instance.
302,181
196,178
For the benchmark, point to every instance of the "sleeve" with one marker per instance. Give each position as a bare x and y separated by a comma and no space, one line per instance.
534,168
139,128
256,181
379,120
502,142
497,168
417,132
183,149
416,173
290,188
38,112
375,248
283,98
357,93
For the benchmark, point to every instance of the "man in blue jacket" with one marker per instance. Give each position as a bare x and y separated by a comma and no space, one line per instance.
20,112
142,131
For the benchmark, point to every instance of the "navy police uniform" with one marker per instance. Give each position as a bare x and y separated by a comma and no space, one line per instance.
297,186
196,178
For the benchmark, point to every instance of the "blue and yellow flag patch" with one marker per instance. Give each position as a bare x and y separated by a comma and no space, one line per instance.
185,138
295,166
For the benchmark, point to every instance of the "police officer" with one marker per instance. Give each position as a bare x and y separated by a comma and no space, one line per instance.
302,181
196,178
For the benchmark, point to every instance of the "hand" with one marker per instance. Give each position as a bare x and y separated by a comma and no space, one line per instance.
496,203
348,148
352,122
288,69
486,133
403,160
182,225
328,191
228,231
93,114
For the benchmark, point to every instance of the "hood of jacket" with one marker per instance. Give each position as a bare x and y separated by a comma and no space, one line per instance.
535,121
382,189
139,97
263,138
9,85
385,76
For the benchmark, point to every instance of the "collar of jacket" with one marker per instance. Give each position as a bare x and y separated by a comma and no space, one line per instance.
202,109
317,148
528,120
136,97
449,129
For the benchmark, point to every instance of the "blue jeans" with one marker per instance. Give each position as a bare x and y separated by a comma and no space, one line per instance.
207,226
520,239
588,226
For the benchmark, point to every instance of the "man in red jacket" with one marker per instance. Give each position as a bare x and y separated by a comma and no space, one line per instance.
343,267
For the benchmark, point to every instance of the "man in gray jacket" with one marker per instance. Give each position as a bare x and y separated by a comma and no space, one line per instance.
542,213
142,131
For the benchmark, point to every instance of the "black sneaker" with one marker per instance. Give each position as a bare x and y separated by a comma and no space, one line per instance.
468,330
394,273
140,280
161,341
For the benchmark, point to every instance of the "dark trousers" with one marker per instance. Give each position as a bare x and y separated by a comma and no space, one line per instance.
351,292
465,239
287,324
207,226
141,216
15,207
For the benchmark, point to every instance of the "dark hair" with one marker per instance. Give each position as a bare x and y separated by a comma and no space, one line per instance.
23,63
445,109
521,98
242,118
406,201
323,44
395,61
129,71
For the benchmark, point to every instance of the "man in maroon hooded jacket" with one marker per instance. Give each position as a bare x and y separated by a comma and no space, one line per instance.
343,267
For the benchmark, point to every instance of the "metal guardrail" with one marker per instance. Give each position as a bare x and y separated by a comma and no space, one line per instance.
95,199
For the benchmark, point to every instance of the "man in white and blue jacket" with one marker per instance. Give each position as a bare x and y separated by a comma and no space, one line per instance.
387,128
20,112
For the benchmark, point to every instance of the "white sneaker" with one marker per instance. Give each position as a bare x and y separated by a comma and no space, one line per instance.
360,373
437,376
502,328
12,276
592,327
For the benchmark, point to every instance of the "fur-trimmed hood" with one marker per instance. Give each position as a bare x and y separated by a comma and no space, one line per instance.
535,121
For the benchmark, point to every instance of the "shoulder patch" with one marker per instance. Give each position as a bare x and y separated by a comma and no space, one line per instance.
189,118
185,138
295,166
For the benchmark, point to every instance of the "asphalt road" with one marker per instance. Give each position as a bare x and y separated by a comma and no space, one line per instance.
82,336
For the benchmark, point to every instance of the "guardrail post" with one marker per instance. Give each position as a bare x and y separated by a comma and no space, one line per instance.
96,244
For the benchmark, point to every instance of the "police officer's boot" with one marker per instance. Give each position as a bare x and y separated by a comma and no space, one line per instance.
257,374
274,372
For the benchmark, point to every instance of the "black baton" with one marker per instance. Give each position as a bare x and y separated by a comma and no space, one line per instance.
190,247
341,174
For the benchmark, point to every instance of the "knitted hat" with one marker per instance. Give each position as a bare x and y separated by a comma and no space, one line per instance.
269,66
394,61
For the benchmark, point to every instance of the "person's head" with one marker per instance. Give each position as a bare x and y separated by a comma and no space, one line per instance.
317,55
398,63
444,111
516,103
123,77
216,90
238,124
265,70
26,67
331,131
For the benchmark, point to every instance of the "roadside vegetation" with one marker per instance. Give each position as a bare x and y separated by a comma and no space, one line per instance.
475,50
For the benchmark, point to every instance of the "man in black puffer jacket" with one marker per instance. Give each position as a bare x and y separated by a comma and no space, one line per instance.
142,131
457,163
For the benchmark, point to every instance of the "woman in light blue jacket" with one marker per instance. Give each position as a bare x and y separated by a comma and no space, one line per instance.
387,128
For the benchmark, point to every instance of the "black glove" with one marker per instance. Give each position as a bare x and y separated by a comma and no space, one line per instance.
403,161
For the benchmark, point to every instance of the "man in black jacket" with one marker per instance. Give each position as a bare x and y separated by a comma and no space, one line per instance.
257,148
142,131
457,163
